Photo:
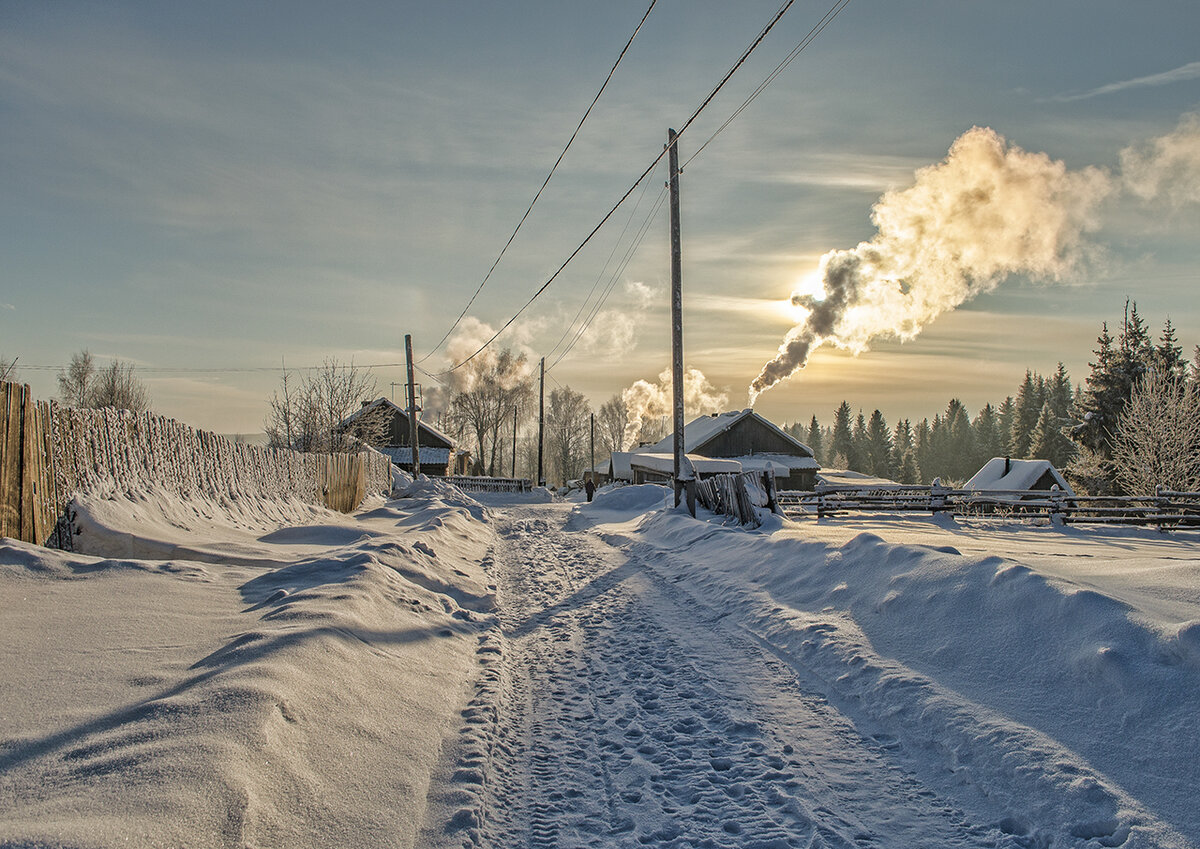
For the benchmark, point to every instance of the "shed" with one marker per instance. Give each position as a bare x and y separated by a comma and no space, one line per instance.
1004,473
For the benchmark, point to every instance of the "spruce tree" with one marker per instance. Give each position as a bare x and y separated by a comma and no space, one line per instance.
986,432
1168,354
1025,414
879,446
858,444
842,443
1048,441
814,440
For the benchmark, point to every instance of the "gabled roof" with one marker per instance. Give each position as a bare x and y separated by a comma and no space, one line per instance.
704,429
1020,475
387,404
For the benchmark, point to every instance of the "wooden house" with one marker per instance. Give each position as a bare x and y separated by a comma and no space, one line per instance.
384,426
754,441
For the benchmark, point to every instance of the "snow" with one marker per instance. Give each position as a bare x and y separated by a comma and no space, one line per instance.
1001,473
508,670
702,429
665,464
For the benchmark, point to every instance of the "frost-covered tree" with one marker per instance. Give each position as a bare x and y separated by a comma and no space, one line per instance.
567,416
307,414
611,423
485,399
1168,353
1157,442
82,384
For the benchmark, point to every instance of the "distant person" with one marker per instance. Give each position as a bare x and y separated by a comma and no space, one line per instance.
590,488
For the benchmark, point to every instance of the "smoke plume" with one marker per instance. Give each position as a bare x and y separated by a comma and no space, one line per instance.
1167,166
648,404
988,210
492,364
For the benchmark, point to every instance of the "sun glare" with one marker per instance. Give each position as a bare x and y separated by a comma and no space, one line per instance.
810,285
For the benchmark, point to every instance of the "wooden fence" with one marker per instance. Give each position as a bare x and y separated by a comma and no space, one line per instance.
50,452
29,498
738,495
484,484
1165,509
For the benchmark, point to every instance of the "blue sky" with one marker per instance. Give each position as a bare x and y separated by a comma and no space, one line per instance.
218,186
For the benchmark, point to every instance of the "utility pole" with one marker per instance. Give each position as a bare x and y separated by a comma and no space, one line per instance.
677,325
514,454
413,409
592,440
541,419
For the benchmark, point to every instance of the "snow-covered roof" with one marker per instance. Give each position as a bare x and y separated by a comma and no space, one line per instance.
1000,473
429,454
846,477
783,464
621,469
704,429
386,403
665,463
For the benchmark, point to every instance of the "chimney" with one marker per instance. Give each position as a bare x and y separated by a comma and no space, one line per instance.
1007,465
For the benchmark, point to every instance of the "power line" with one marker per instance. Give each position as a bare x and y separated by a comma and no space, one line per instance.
707,100
545,182
796,51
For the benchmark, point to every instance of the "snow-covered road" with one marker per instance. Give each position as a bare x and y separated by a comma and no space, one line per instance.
619,710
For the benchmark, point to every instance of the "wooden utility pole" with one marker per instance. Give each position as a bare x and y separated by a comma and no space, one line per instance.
541,419
592,443
514,454
677,324
413,409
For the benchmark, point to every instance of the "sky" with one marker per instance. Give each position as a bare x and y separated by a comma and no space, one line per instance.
214,191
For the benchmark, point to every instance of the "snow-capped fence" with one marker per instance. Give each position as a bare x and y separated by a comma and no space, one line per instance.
737,495
1165,508
468,483
50,452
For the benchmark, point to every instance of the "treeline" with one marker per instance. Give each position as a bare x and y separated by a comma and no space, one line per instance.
1107,434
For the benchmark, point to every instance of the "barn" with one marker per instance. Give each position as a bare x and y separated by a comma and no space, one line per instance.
754,441
384,426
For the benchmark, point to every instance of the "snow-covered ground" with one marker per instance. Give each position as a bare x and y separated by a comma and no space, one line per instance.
433,672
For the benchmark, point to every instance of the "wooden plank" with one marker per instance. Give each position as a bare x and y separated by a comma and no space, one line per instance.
10,505
27,473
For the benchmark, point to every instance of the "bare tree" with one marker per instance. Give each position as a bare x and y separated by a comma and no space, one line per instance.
82,384
566,432
309,416
75,383
116,386
1158,436
613,419
483,406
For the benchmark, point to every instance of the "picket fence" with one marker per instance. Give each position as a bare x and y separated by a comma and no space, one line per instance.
1165,509
51,452
474,483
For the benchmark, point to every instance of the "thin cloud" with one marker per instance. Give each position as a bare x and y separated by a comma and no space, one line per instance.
1190,71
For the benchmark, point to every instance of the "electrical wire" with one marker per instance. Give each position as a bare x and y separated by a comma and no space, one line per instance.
545,183
707,100
600,276
796,51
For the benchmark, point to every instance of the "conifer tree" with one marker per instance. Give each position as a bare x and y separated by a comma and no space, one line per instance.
1168,354
1048,441
1025,414
814,440
879,446
987,438
858,444
842,443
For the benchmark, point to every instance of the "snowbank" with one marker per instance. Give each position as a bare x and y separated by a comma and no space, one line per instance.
210,674
1055,703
